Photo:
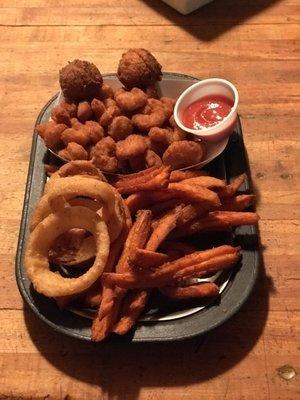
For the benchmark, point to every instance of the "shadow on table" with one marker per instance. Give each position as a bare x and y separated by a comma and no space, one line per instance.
122,370
215,18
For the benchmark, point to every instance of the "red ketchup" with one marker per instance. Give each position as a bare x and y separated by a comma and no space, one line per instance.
206,112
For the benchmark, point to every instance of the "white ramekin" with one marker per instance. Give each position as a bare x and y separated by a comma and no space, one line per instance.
207,87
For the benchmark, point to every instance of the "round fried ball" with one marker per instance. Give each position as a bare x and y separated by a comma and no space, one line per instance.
138,67
80,80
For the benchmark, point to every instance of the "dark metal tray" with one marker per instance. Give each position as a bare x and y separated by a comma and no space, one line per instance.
231,163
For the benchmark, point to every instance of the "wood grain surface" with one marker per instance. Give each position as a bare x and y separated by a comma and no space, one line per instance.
256,46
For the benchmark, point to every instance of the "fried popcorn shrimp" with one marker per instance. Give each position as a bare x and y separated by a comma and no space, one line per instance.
103,155
73,151
155,116
105,92
60,115
152,159
79,136
98,108
108,116
133,149
84,111
95,131
109,102
76,124
131,100
169,105
120,128
80,80
138,67
51,133
151,92
183,153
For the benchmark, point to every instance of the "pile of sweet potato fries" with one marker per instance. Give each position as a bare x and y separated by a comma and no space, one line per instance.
166,207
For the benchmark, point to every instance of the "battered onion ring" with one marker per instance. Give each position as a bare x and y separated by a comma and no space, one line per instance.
74,186
52,284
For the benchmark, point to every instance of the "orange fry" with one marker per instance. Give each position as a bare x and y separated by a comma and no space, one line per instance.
157,178
162,228
178,176
163,206
143,200
164,275
231,189
208,289
112,297
237,203
216,221
131,309
207,181
146,259
200,195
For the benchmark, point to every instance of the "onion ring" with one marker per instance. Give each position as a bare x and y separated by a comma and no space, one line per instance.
36,257
72,186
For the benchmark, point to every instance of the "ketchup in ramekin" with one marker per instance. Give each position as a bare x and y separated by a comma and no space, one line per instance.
208,109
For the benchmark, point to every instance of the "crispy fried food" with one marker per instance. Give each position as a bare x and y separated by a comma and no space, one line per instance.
163,206
218,258
207,181
163,227
40,240
237,203
113,296
98,108
84,111
147,259
109,114
154,116
103,155
120,128
178,176
73,186
51,133
152,159
231,189
199,195
105,92
169,105
78,167
73,151
216,221
131,309
129,101
50,169
133,149
151,91
80,80
79,136
183,153
60,115
94,130
138,67
150,179
208,289
176,249
141,200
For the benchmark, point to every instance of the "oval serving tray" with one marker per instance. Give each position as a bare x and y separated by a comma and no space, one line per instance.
228,165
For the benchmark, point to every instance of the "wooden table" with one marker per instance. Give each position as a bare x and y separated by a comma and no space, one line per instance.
253,44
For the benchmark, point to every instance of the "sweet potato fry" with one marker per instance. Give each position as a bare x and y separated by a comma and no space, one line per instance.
207,181
178,176
162,228
112,296
157,178
237,203
208,289
231,189
199,195
146,259
143,200
176,249
131,309
216,221
164,275
164,206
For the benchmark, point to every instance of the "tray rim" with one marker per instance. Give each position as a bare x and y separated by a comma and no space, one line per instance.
69,331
